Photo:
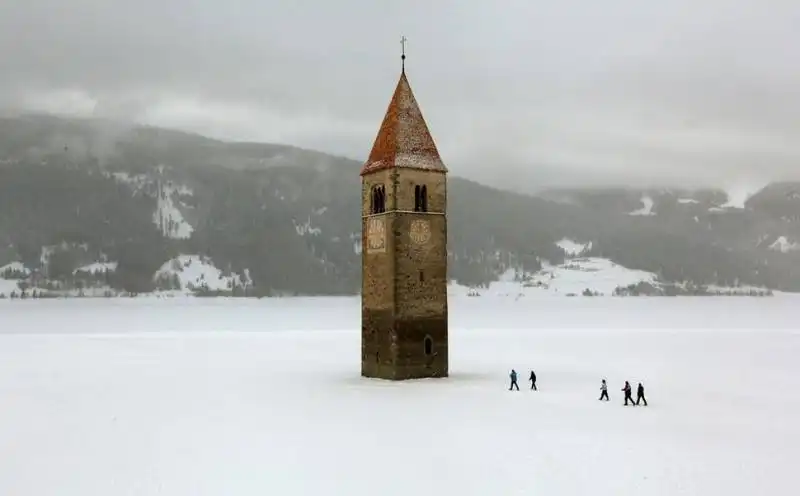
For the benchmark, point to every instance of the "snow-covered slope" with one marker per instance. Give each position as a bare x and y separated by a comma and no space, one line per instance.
97,268
575,276
573,248
583,275
168,216
11,274
136,182
307,228
196,272
783,245
647,207
739,193
598,275
14,267
8,286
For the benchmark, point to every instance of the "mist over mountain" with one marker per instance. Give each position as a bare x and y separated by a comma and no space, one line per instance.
278,219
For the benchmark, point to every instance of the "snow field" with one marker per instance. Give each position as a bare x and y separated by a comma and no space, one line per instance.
169,217
195,271
647,207
783,245
569,278
231,396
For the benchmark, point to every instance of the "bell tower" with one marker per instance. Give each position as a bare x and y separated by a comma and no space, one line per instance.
404,331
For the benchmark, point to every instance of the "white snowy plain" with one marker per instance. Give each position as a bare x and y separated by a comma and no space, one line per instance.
252,397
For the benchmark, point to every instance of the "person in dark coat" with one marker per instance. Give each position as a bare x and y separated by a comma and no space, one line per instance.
640,394
627,391
532,378
603,390
513,376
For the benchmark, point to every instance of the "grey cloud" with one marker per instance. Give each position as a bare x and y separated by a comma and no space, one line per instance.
567,92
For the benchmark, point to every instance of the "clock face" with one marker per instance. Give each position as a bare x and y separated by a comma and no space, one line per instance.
376,235
420,232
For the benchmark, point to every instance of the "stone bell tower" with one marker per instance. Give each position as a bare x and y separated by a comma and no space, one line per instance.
404,240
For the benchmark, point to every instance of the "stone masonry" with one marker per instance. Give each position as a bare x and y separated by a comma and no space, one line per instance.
404,253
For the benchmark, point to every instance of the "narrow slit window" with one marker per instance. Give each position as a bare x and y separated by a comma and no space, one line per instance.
420,198
421,276
428,346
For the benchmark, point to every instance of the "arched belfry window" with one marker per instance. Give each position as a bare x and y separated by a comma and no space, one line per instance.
378,199
420,198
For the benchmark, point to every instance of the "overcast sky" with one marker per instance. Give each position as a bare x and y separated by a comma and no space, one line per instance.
613,91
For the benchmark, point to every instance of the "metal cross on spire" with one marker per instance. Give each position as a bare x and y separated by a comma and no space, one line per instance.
403,56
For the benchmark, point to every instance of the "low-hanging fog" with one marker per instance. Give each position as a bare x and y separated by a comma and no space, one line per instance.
520,93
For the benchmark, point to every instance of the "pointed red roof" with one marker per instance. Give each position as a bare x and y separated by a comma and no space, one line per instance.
403,139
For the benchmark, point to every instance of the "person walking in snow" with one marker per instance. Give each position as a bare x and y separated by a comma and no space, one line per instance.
532,378
603,390
640,394
513,376
627,390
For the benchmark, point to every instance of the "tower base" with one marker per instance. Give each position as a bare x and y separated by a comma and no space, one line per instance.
400,349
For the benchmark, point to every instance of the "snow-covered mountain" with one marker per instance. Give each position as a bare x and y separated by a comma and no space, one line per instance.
271,219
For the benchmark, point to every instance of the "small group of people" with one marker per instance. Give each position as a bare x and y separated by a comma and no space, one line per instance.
603,389
627,390
514,384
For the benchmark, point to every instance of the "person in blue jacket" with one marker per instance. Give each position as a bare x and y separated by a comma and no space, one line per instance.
513,376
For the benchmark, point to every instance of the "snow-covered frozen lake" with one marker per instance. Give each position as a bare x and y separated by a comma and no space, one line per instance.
253,397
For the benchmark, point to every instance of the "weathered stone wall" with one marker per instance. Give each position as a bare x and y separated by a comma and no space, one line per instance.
377,287
421,268
412,361
420,278
385,177
437,189
404,285
378,355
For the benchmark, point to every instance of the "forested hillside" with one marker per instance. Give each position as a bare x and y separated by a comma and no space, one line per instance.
279,220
